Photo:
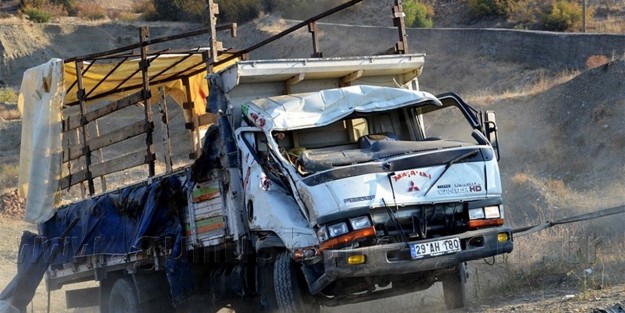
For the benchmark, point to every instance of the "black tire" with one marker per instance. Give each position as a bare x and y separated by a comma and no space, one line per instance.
264,279
454,288
123,297
291,291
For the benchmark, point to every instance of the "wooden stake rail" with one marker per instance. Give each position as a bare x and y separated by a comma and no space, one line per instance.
107,167
72,122
78,154
81,127
116,136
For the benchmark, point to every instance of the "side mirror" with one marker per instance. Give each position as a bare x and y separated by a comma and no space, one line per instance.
490,130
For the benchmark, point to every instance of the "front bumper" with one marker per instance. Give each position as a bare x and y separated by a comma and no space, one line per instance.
395,259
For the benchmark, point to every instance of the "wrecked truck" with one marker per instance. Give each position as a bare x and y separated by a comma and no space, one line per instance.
310,182
314,198
385,207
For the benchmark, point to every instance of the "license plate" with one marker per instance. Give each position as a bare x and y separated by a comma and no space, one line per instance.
434,248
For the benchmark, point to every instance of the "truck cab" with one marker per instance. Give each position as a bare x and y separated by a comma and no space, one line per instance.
372,191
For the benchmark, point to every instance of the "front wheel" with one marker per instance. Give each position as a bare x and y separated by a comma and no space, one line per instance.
290,289
454,288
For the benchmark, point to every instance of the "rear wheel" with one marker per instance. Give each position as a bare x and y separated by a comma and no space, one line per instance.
123,297
454,288
289,288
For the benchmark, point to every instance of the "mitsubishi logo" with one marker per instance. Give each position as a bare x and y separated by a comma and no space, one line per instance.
413,187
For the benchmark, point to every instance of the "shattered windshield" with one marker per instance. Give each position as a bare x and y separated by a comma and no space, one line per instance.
447,123
375,136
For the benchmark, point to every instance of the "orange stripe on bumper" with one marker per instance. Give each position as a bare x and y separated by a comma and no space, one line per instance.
347,238
473,224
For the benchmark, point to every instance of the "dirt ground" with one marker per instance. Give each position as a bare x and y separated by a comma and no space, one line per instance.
562,136
484,294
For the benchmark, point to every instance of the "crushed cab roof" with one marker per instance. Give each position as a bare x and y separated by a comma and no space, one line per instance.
321,108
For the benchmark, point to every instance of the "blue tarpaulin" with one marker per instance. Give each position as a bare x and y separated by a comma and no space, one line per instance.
116,223
31,266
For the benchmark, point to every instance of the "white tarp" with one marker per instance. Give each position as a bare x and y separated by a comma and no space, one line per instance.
41,103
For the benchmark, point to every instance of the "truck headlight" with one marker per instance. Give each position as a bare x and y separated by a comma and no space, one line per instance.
492,212
488,216
475,214
337,229
360,222
322,233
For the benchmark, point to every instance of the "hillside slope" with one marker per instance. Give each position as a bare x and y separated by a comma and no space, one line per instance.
561,148
571,130
571,137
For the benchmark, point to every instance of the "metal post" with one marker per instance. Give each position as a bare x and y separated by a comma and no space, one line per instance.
401,47
213,11
583,16
49,298
86,151
145,95
312,28
190,123
165,126
83,188
101,156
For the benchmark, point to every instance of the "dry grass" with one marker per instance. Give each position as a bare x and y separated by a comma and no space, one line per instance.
569,259
577,258
123,16
608,17
610,25
9,112
143,6
8,176
520,178
542,84
557,188
594,61
146,9
91,10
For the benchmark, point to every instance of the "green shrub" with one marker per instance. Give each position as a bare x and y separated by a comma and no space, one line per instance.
147,9
37,15
41,11
9,175
489,8
195,11
562,15
8,95
522,14
27,4
69,6
169,9
176,10
480,8
239,10
418,14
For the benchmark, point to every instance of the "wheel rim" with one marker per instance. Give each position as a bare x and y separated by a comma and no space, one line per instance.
119,306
